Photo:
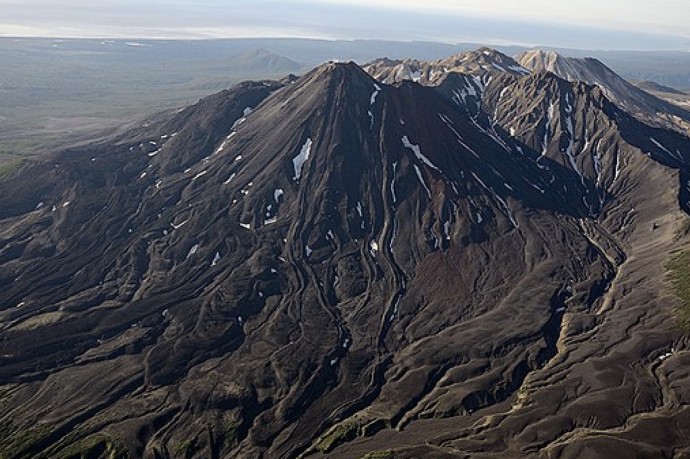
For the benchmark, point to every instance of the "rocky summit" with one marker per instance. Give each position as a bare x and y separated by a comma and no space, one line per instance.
466,258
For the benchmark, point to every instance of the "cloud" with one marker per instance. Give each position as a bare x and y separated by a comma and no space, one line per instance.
659,16
531,22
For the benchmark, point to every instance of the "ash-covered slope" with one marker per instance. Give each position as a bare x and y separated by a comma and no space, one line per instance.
648,107
335,266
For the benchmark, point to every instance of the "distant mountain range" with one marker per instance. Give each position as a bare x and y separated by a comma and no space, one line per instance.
457,258
120,79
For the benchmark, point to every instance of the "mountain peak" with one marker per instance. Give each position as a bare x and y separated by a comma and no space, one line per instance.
479,62
339,69
593,71
540,55
482,60
538,59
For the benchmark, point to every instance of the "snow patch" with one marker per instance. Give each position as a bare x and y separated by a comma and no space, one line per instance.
415,76
377,90
373,248
301,158
666,356
395,165
421,180
446,230
519,69
418,152
500,200
547,130
224,143
180,225
277,194
655,142
193,250
596,159
238,122
569,148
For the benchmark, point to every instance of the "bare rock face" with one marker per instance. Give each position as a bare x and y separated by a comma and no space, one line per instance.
484,61
340,267
649,108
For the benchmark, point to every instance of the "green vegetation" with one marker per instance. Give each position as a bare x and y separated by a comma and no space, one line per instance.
679,273
347,431
22,146
231,432
336,436
99,445
9,167
387,454
684,230
15,443
185,448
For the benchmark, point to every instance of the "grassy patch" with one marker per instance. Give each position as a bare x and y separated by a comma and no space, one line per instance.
347,431
15,443
19,148
231,432
684,230
336,436
679,274
9,167
98,445
387,454
185,448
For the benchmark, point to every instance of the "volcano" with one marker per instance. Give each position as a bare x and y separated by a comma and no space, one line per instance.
472,264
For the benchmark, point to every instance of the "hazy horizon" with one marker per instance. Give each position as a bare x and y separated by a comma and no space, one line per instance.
617,24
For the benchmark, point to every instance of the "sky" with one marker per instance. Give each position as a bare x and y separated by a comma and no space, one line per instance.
593,24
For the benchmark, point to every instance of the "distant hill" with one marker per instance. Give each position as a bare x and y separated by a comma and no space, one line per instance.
261,60
652,86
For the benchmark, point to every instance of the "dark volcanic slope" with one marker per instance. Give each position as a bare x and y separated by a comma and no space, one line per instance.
333,266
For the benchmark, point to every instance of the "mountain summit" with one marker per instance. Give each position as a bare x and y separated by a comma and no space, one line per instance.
649,108
484,61
335,266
